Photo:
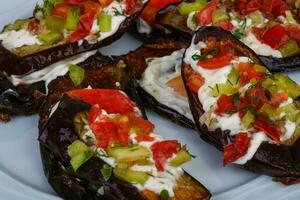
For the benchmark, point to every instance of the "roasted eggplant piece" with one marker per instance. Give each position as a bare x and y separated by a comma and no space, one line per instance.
60,127
256,28
61,29
233,101
156,66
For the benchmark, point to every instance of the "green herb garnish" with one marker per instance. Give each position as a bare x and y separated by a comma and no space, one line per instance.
196,56
238,34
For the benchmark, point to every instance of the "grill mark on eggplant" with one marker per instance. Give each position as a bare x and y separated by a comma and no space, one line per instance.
136,61
12,64
279,161
171,19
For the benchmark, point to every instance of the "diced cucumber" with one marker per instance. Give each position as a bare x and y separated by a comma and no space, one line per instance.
290,48
50,38
79,153
104,22
220,15
129,154
222,89
131,176
181,157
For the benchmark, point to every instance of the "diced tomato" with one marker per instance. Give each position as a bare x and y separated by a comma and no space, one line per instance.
33,26
94,114
269,129
275,37
91,7
237,149
162,151
143,138
195,81
255,97
151,9
105,3
131,6
226,25
225,105
293,32
205,15
74,2
61,10
277,98
112,101
216,62
247,72
78,35
177,85
144,125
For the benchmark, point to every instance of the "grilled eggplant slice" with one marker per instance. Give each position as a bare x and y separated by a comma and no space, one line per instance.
278,159
166,55
278,57
31,44
57,132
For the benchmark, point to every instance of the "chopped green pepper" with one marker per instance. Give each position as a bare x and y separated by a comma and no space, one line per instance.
50,38
260,68
128,154
104,22
181,157
54,24
289,17
223,89
257,17
248,119
220,15
186,8
131,176
72,19
290,48
79,153
76,74
233,77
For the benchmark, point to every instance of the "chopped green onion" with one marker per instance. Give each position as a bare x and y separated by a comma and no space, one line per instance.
104,22
238,34
72,19
79,153
196,56
76,74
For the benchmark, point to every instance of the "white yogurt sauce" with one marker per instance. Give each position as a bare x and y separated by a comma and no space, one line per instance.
158,73
143,26
262,49
51,72
14,39
230,122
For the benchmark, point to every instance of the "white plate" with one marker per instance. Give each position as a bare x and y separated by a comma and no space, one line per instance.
21,173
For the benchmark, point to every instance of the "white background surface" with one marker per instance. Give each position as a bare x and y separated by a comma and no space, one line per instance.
21,174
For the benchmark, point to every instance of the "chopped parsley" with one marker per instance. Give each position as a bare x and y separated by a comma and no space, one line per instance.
118,12
238,33
197,56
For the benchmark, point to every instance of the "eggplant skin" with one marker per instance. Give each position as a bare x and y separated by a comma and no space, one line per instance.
171,19
280,161
12,64
22,99
137,62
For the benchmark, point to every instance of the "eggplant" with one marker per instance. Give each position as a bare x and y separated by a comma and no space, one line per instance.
56,133
45,55
137,62
172,20
279,161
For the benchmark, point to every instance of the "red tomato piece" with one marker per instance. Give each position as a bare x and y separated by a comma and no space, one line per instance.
61,10
145,126
149,13
177,85
269,129
226,25
110,100
162,151
33,26
255,97
205,15
225,105
105,3
275,36
131,6
74,2
78,35
237,149
195,81
143,138
91,7
216,62
278,98
247,72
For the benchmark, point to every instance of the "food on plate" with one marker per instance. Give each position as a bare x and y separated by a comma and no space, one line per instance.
62,28
270,27
242,108
157,67
97,143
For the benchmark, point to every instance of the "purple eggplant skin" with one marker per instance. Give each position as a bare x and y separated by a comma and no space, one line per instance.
21,99
137,62
171,19
57,132
12,64
279,161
